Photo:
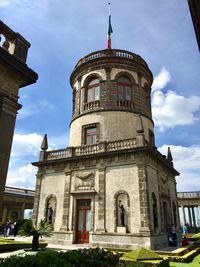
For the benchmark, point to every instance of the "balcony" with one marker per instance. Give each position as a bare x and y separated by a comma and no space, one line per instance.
13,43
91,149
92,105
125,104
111,53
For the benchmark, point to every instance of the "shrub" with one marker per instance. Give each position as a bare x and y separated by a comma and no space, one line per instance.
92,257
47,259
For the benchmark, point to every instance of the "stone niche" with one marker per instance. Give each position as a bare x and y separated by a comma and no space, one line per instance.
122,212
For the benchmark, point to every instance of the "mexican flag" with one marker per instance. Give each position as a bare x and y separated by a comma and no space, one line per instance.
110,30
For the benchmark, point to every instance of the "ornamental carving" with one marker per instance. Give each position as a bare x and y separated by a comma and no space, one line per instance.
84,180
84,176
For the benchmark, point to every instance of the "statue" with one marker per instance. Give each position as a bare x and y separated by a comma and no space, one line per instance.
50,215
122,213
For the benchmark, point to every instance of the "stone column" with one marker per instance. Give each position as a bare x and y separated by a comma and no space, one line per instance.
193,216
14,74
23,209
37,197
144,196
101,202
190,218
66,203
183,211
8,111
4,216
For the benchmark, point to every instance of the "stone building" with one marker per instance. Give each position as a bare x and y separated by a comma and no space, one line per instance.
14,74
111,186
15,203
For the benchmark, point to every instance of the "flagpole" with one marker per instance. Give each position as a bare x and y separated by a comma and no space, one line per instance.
110,30
108,9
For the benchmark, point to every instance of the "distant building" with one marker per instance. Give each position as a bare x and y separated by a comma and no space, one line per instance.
189,209
194,6
15,202
14,74
111,186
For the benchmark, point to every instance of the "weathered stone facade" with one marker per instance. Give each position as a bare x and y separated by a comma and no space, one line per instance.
117,190
14,74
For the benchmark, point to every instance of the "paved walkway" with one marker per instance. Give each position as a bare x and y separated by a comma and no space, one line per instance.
50,246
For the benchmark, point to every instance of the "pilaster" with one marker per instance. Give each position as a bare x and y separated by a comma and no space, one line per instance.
101,200
66,202
37,197
144,199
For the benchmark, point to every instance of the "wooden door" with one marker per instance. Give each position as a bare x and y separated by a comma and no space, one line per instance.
83,225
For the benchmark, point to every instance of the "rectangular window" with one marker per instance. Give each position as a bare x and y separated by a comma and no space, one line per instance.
120,93
90,136
97,93
90,96
93,94
128,93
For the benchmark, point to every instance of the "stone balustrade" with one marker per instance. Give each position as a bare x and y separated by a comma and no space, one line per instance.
13,42
111,53
92,105
19,191
125,103
90,149
194,194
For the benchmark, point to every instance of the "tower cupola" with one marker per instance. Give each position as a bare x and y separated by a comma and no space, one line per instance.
111,88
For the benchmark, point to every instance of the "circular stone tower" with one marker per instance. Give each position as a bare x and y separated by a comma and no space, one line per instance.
111,98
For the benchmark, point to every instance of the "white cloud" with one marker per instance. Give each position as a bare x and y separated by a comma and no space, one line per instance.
26,148
170,109
26,144
186,161
22,177
161,80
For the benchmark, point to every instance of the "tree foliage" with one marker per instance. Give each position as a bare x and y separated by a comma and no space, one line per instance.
43,229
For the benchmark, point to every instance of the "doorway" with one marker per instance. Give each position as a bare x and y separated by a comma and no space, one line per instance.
83,223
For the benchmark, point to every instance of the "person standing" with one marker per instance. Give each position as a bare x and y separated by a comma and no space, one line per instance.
16,228
8,226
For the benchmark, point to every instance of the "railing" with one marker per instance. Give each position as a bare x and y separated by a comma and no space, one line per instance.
92,105
195,194
19,191
124,144
13,42
57,154
125,104
91,149
111,53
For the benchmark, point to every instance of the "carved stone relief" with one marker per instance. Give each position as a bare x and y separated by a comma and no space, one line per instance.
84,180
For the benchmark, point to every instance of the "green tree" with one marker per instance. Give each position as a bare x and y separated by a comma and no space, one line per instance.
42,229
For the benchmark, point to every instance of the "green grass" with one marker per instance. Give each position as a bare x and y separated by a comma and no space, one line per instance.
194,263
7,245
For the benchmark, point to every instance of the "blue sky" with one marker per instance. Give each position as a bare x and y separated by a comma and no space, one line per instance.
61,32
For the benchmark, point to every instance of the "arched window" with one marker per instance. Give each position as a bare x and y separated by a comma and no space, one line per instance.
124,88
92,91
